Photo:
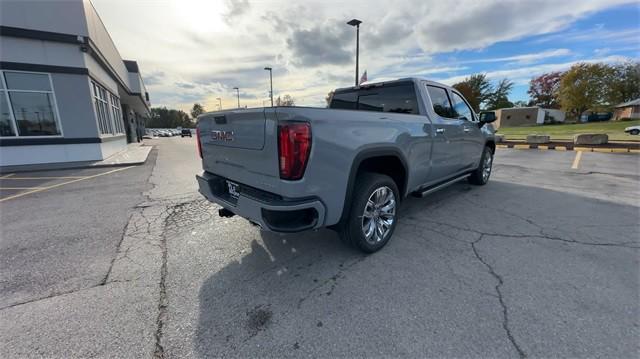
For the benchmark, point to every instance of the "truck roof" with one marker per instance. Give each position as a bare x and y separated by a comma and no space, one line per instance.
391,81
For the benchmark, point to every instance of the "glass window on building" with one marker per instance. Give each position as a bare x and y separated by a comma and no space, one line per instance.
27,105
108,112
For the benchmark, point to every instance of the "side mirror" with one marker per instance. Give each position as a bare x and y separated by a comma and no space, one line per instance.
487,117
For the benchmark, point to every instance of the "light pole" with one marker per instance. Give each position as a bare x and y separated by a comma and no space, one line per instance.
219,102
356,23
271,83
238,93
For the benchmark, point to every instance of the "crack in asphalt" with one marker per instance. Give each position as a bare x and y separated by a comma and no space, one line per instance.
162,302
505,311
113,260
541,235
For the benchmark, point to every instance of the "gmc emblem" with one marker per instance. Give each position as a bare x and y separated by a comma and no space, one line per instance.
222,135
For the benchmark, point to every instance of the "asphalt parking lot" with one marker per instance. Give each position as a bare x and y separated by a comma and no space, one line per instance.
541,262
16,185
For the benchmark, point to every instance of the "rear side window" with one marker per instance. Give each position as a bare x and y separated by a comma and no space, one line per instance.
440,101
396,98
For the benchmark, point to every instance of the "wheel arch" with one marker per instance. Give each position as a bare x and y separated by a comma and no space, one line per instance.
372,160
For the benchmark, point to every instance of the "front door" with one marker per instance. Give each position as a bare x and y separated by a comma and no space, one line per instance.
447,135
473,140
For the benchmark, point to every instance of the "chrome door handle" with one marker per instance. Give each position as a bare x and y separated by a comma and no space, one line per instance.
467,129
439,130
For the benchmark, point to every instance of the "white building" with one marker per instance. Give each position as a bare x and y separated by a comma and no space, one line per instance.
65,92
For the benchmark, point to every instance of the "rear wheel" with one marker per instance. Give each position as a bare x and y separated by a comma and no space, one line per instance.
372,217
481,175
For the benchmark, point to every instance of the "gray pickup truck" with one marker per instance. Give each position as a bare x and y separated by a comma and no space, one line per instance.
348,167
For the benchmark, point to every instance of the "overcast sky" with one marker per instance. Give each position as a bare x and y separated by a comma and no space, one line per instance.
197,50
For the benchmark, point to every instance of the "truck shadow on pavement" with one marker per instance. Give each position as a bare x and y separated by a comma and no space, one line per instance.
461,261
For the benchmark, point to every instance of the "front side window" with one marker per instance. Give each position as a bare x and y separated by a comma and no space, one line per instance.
440,101
27,104
460,108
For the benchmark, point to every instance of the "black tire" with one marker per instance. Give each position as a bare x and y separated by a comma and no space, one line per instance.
634,132
478,176
351,230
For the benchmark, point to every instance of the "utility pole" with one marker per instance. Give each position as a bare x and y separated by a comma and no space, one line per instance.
219,102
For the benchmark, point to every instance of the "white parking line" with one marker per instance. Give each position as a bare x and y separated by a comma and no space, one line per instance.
576,161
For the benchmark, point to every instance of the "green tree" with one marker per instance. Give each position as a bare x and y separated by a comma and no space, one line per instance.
285,100
625,85
544,90
586,87
499,98
162,117
197,110
476,89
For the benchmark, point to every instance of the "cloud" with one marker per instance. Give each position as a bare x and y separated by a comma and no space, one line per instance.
185,85
523,75
524,58
235,9
321,45
153,77
197,50
476,25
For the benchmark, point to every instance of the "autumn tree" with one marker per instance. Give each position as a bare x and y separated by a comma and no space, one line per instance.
197,110
544,90
585,87
285,100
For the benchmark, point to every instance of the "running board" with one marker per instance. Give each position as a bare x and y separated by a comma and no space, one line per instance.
441,186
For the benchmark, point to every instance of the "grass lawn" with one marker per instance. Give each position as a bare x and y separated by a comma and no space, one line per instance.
615,130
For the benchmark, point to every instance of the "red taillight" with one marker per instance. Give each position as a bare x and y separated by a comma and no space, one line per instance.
198,142
294,146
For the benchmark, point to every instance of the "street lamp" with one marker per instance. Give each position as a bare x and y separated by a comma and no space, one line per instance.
356,23
219,102
238,93
271,83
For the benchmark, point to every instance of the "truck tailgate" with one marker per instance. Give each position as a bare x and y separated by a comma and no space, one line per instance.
241,145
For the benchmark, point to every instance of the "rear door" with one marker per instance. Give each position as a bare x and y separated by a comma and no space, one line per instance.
473,140
448,136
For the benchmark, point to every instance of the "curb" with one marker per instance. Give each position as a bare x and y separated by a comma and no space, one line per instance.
569,148
70,165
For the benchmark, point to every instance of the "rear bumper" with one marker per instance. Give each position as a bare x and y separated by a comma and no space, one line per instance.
272,212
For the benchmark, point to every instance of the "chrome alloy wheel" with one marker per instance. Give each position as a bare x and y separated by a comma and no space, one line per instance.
379,214
486,167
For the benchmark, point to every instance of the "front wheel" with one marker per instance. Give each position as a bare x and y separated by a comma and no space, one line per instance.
634,132
481,174
372,217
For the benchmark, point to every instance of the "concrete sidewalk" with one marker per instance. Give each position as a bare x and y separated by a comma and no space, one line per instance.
134,154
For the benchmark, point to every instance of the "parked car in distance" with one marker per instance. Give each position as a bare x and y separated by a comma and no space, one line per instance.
348,167
185,132
633,130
